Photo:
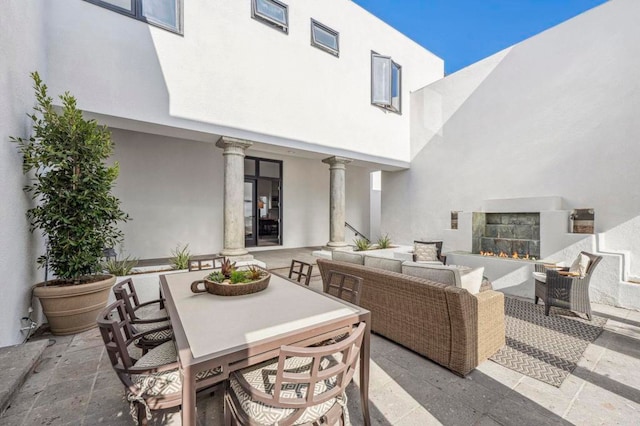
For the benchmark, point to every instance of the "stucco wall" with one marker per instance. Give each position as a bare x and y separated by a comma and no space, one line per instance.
232,75
173,190
21,50
555,115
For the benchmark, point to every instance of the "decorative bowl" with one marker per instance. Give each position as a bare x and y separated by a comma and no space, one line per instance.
226,289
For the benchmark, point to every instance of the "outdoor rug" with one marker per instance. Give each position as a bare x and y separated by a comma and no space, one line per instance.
545,348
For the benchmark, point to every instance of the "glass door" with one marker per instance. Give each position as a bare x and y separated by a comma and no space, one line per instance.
263,202
250,207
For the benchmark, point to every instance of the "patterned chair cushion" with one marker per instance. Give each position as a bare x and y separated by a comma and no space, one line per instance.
160,335
151,311
425,252
262,377
162,383
134,352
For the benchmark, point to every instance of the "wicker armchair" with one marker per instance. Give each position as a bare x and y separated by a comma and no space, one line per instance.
441,257
565,291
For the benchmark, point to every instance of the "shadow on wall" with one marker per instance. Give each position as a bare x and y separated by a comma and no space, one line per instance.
530,122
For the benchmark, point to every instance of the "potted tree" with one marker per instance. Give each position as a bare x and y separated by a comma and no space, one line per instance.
74,209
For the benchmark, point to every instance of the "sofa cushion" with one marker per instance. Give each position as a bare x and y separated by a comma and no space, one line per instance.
471,279
392,265
347,256
425,252
432,272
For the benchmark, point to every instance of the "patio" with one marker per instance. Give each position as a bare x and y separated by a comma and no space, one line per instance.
74,383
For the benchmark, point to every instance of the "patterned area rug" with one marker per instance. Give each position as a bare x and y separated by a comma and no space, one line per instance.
545,348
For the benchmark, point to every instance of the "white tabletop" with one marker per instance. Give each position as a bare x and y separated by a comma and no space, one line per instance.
213,324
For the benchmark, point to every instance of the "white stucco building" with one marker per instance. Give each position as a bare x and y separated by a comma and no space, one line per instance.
549,118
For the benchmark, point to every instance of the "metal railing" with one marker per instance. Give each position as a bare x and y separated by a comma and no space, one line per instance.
355,231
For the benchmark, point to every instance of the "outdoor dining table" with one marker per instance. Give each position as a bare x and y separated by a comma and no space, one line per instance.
234,332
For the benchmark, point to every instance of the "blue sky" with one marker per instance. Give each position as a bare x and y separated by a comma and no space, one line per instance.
465,31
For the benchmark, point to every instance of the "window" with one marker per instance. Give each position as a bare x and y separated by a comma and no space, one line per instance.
386,83
324,38
271,12
165,14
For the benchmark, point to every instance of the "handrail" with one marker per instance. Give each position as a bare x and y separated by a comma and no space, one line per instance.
358,233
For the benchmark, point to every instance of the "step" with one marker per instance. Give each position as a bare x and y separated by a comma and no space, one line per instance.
16,363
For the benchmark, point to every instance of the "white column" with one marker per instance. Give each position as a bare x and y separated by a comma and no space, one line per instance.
337,210
233,195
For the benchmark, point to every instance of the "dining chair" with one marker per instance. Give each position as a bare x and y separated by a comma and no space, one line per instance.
152,381
150,311
564,291
343,286
304,385
206,263
300,270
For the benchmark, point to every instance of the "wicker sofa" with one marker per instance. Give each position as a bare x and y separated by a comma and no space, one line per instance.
444,323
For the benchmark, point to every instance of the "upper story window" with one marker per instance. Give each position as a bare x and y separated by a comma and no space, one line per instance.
271,12
386,83
325,38
161,13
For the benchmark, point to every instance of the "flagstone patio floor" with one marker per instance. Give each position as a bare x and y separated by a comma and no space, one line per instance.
74,384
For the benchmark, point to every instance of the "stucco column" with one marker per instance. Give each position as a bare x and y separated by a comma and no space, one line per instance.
337,210
233,195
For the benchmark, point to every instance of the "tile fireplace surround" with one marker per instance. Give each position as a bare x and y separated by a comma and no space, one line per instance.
506,233
537,225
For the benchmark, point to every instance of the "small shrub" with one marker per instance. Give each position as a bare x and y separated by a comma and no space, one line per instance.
362,244
254,273
227,268
181,255
384,242
120,267
238,277
216,277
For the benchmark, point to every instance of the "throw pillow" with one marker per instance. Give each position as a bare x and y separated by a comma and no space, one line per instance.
471,280
580,265
425,252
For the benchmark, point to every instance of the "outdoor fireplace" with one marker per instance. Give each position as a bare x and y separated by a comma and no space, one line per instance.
508,235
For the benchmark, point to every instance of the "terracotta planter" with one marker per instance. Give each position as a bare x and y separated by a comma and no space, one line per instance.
73,308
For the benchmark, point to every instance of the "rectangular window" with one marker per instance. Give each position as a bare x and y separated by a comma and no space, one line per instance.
324,38
162,12
122,4
271,12
166,14
386,83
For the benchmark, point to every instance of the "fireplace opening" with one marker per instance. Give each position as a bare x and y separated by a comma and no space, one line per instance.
508,235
